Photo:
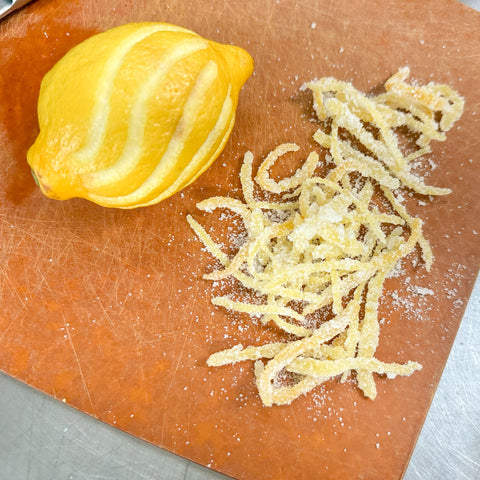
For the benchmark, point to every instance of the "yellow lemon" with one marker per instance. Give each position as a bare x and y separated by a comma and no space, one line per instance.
134,114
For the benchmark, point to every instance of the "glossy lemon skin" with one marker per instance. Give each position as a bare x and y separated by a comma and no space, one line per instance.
134,114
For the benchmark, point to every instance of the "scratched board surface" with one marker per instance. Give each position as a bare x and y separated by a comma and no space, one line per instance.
107,310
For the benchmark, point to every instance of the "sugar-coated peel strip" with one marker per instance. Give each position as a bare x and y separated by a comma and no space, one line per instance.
284,395
331,368
263,178
238,353
326,332
352,334
250,282
427,254
369,333
287,326
254,309
403,105
324,242
210,245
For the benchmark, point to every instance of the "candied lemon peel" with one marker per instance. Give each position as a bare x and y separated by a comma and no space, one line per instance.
316,249
134,114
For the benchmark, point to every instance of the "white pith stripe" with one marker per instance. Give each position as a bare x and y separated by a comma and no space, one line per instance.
184,129
196,165
101,109
131,154
221,129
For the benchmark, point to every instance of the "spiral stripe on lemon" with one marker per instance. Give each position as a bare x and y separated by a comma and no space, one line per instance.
129,159
132,115
104,91
167,170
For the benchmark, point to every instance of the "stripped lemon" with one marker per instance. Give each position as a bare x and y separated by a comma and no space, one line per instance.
134,114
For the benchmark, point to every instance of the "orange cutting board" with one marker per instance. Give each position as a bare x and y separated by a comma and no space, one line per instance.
107,310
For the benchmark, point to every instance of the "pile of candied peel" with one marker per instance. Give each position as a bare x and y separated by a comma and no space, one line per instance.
318,255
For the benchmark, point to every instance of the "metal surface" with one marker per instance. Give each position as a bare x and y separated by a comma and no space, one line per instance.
449,445
43,439
9,6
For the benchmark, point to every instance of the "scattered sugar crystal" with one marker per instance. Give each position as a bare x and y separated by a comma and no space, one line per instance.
422,290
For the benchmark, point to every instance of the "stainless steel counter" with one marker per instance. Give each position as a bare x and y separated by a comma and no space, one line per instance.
42,439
